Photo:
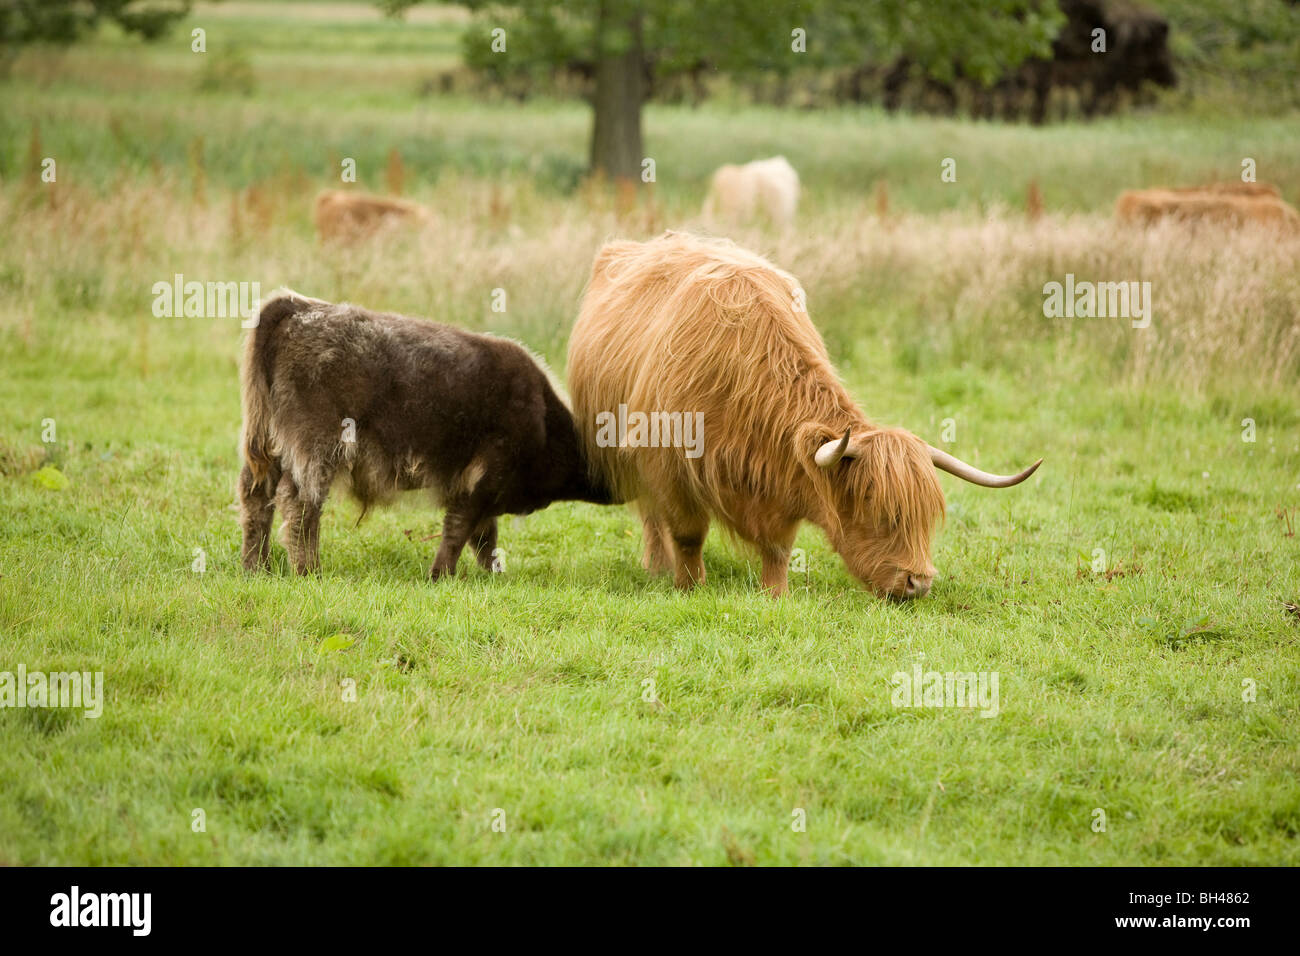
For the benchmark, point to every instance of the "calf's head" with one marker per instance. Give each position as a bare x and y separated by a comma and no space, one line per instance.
886,504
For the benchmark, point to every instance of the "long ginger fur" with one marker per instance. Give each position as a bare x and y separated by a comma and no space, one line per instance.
684,324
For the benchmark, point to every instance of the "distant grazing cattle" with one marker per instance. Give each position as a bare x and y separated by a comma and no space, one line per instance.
1232,204
683,326
765,188
1136,53
1230,188
387,403
342,215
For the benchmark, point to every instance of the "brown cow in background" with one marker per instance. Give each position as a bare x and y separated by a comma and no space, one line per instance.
1231,189
1231,204
342,215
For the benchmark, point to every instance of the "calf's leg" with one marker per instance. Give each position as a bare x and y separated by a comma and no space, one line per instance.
256,511
301,532
457,526
484,540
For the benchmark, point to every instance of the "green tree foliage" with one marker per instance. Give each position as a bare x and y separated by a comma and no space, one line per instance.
1239,49
66,21
613,39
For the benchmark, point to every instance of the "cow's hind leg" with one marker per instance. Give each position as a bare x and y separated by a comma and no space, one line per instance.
657,557
256,511
688,532
484,541
301,508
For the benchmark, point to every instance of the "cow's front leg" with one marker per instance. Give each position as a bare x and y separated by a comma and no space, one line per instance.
775,549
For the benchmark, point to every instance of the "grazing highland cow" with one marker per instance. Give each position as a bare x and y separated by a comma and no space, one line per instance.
1230,204
343,216
765,188
706,329
1137,53
1231,188
388,403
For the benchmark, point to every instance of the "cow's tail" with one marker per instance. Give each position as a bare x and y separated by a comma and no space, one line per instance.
256,441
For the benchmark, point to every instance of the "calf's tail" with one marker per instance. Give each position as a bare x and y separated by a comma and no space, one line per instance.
256,440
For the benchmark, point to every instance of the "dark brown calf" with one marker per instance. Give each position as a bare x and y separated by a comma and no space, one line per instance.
388,403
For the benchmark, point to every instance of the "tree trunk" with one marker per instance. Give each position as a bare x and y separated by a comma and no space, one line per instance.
616,151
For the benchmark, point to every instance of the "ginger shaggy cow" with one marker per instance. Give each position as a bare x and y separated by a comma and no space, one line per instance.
687,329
343,216
1229,204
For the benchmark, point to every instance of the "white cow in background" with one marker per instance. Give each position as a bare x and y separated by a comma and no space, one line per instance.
765,188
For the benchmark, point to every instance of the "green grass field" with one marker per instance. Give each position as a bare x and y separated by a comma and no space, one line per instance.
1129,596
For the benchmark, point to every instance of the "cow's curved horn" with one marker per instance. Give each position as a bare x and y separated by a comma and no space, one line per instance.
831,452
955,466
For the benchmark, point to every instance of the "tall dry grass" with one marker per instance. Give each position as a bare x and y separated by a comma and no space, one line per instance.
953,288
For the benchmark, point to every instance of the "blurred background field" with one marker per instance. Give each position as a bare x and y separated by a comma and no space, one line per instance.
1122,687
295,86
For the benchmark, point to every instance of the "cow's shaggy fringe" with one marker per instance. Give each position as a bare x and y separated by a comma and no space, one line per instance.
693,325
